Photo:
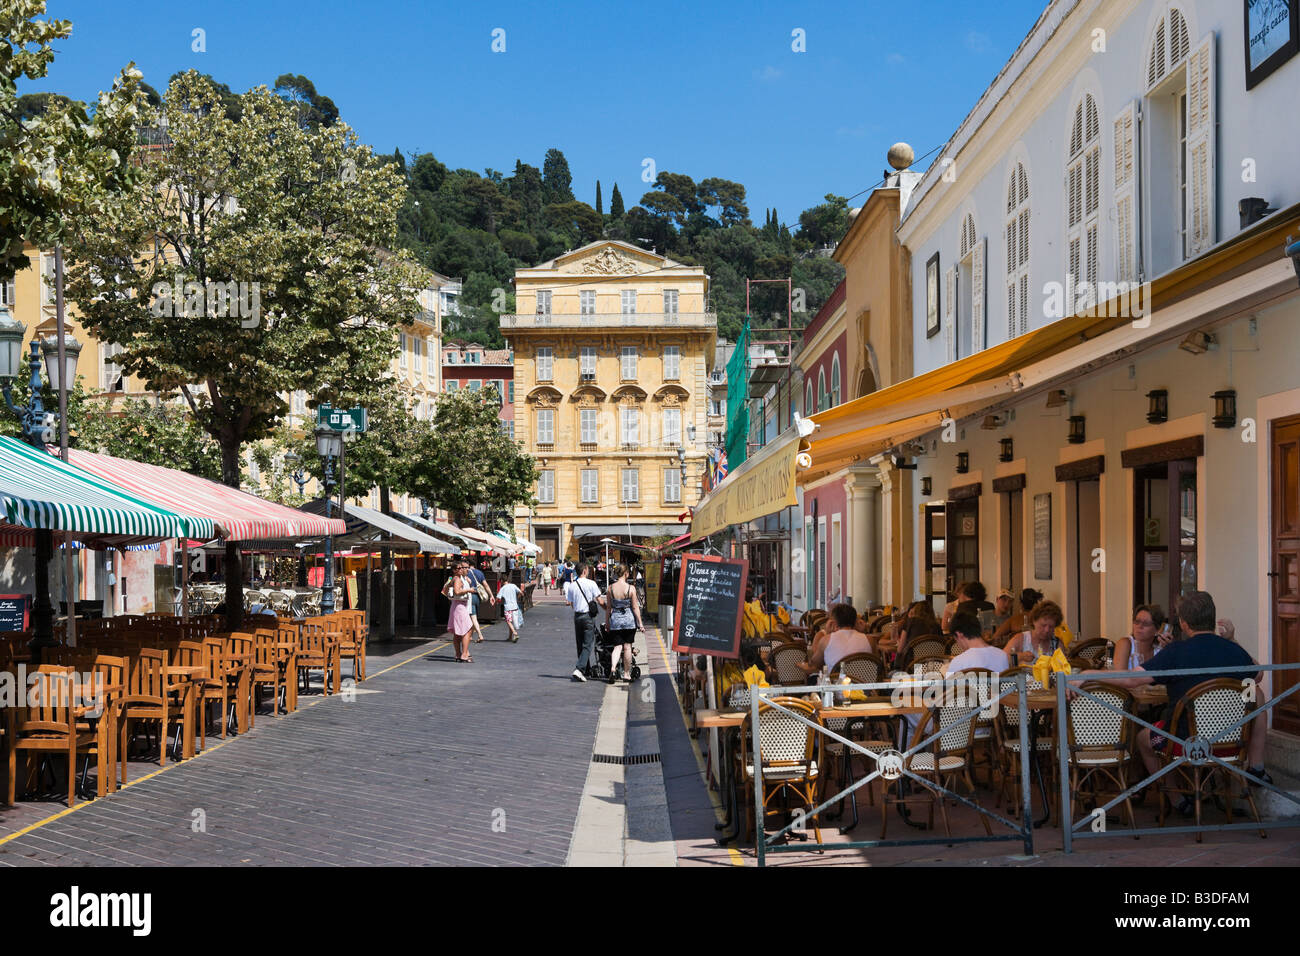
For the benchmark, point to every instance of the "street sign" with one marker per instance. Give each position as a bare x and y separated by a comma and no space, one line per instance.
341,419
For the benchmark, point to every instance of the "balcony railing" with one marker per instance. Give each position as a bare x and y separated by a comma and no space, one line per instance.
552,320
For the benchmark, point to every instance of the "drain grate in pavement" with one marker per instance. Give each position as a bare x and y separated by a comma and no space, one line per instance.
625,759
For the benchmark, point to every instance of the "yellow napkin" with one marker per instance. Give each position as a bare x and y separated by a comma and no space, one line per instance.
1045,666
754,677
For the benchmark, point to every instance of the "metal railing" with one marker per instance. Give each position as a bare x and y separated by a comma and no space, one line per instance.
1195,752
554,320
896,764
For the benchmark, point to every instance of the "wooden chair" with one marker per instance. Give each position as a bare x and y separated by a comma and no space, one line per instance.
318,650
286,635
187,694
110,672
352,641
1208,710
787,753
147,699
943,764
44,722
270,667
215,686
785,659
239,673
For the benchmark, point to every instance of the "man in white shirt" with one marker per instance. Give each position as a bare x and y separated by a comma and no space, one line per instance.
583,594
511,597
846,639
974,652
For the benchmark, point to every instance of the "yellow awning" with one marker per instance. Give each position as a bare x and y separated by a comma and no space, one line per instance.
868,425
763,485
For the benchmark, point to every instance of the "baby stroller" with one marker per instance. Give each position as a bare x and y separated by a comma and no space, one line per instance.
605,654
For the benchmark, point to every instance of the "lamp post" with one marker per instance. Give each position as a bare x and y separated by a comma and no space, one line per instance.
299,477
38,429
329,444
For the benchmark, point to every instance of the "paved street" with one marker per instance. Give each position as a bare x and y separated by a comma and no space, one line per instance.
434,762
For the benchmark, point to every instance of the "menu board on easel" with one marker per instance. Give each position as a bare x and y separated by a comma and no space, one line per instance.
13,612
710,605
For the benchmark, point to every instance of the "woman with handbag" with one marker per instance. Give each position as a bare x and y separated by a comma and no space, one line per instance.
458,590
623,620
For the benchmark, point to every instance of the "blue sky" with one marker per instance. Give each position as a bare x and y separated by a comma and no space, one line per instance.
705,89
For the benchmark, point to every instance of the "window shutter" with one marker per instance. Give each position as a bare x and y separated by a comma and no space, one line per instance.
977,295
1200,147
950,314
1126,191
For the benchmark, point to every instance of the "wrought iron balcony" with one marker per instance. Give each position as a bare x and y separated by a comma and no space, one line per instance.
643,320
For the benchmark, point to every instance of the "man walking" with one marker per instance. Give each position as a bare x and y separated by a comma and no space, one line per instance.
583,594
511,597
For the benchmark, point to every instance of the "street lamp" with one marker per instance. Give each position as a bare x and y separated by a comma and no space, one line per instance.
38,429
329,445
299,477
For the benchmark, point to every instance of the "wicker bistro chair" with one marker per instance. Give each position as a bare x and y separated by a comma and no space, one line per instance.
931,645
874,734
785,659
45,723
787,753
1006,728
945,762
1100,742
1093,651
1208,710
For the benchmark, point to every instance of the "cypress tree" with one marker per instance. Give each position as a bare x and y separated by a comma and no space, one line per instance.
599,210
616,203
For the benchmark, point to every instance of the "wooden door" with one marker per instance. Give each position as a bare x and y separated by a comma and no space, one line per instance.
1284,574
963,557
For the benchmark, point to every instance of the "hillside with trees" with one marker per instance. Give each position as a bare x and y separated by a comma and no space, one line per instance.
481,228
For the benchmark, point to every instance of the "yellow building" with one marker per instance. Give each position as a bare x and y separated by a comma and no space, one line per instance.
613,346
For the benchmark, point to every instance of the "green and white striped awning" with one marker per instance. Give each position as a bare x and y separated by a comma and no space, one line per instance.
38,490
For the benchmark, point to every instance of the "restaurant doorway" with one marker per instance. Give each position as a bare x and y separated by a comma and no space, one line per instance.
936,555
1284,570
963,557
1087,561
1013,539
1165,532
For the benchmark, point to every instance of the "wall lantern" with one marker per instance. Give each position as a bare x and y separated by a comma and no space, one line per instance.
1076,436
925,486
963,462
1225,408
1158,406
1007,452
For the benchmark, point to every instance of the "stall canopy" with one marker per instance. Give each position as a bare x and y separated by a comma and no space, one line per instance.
243,517
38,491
369,528
448,532
634,531
481,541
763,485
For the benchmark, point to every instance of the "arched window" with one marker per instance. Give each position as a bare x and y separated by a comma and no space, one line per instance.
1083,204
1170,44
967,235
808,406
835,380
969,306
821,389
1017,252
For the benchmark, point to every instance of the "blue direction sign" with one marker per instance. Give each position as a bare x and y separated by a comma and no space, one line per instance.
341,419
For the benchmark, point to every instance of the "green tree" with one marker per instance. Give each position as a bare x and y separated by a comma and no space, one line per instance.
825,224
556,177
314,110
466,459
599,209
616,209
728,197
58,165
299,216
158,433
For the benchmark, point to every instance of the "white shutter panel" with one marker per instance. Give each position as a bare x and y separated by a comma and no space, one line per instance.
1200,148
1126,192
950,315
977,296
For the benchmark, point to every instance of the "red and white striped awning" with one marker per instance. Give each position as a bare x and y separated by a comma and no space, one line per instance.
242,515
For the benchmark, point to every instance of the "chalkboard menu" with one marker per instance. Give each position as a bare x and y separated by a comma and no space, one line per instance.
13,612
710,605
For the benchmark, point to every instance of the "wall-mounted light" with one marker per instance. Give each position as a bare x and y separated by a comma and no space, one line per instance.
925,486
1198,343
992,422
1158,406
1076,436
1225,408
1057,397
963,462
1007,450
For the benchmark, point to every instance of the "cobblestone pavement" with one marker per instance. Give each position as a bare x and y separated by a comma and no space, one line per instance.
432,762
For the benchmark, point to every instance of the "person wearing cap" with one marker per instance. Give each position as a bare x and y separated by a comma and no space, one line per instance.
1003,607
